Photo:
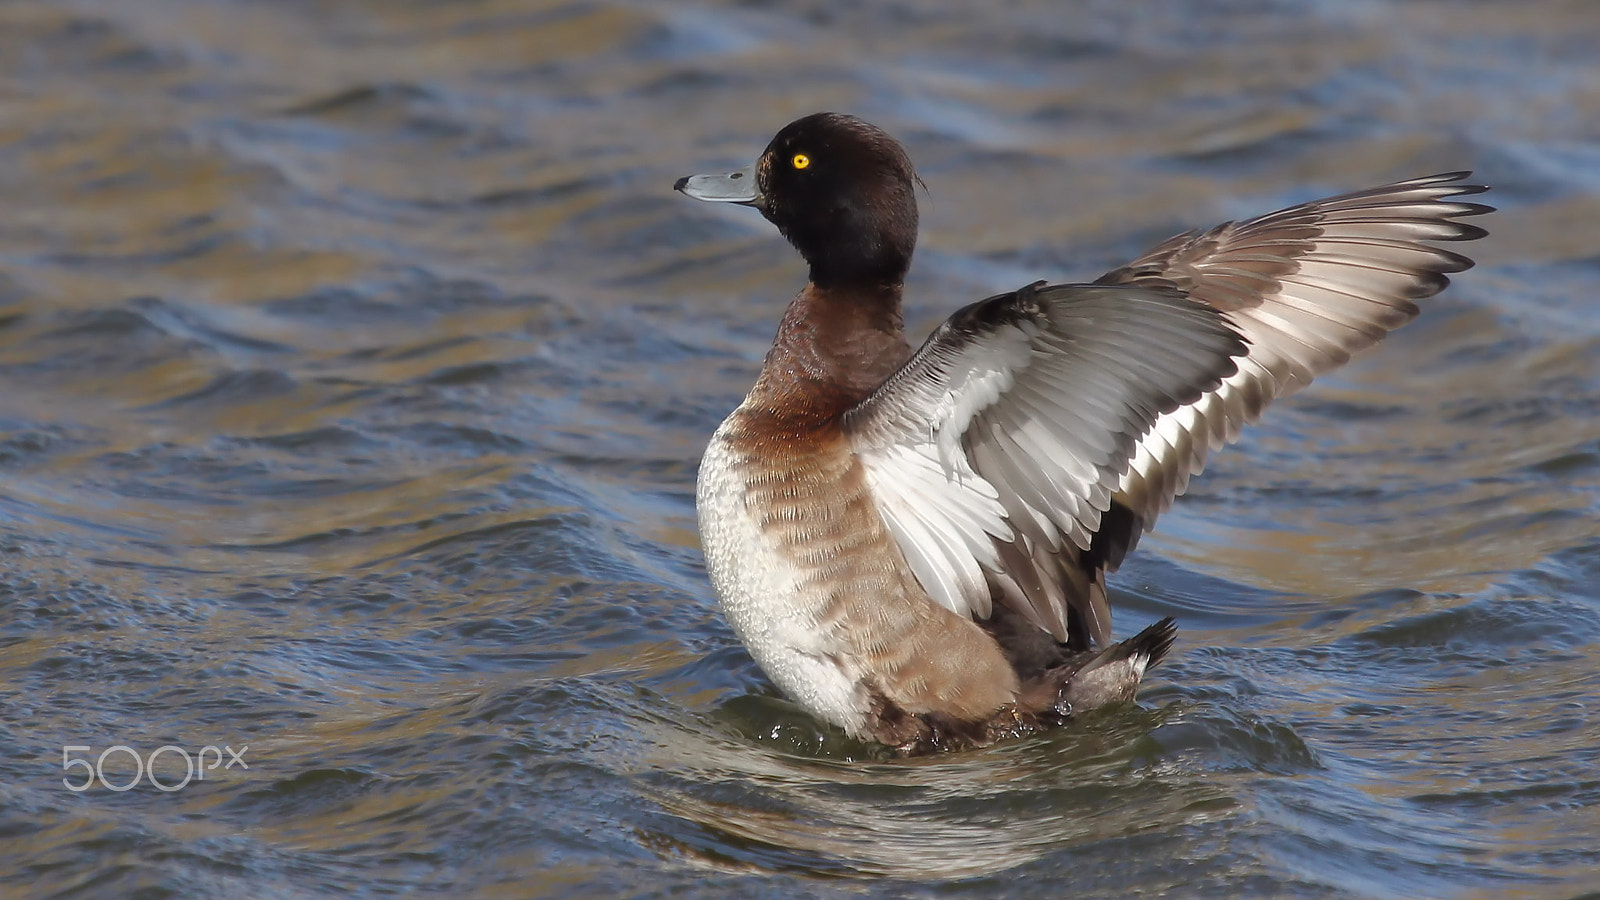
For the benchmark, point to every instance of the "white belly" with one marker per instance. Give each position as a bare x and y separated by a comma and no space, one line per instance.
760,589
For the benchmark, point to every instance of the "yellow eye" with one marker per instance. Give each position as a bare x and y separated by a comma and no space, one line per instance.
801,160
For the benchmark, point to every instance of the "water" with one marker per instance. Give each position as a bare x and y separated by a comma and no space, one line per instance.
357,359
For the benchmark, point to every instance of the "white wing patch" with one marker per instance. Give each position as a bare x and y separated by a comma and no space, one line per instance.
995,452
1307,287
945,518
1001,441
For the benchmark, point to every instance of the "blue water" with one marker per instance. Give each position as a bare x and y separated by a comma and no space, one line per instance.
357,359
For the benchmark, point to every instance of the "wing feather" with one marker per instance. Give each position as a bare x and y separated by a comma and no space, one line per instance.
994,452
1307,287
1022,450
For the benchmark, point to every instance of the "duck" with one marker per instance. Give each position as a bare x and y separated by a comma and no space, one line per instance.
913,544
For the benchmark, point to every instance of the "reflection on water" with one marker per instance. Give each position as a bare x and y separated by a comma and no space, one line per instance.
942,818
358,358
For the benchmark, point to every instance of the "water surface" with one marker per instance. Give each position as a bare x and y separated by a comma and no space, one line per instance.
357,360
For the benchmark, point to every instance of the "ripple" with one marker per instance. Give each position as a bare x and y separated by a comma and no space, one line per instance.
358,360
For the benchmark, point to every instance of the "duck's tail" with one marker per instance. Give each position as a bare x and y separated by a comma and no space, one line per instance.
1098,678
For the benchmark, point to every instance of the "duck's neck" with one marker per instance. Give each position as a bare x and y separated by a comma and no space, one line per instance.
878,253
834,347
845,268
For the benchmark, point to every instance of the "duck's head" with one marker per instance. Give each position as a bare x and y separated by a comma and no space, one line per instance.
840,189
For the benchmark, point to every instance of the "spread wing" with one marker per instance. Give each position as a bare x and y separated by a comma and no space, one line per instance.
995,451
1023,450
1307,287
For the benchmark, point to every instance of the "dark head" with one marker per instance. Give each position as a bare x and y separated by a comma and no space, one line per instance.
841,191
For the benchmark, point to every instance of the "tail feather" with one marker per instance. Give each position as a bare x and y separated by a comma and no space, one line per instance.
1113,674
1153,643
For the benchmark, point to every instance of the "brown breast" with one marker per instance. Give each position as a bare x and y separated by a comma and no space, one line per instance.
808,492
